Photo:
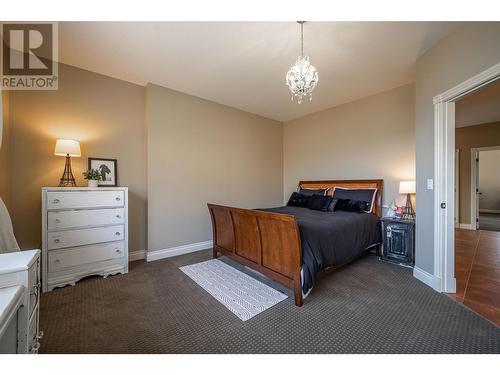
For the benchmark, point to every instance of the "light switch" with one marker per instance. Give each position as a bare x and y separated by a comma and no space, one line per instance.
430,184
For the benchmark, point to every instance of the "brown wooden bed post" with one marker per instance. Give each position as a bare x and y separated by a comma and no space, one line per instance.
214,235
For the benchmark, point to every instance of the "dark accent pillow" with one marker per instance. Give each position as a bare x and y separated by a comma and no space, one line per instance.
298,200
310,192
332,204
351,205
365,195
318,202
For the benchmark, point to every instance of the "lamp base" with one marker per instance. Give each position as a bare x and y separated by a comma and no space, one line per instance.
408,213
67,179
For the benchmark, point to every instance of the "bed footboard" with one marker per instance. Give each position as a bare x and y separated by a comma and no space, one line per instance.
264,241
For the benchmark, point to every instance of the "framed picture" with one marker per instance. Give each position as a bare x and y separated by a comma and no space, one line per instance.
107,168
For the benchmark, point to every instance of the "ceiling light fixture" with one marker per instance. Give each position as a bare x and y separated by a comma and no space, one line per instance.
302,76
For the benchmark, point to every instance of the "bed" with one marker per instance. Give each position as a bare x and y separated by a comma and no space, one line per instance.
294,245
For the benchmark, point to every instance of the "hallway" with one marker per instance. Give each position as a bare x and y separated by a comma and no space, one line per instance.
477,270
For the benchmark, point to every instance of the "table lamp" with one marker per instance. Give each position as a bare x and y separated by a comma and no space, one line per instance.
407,187
68,148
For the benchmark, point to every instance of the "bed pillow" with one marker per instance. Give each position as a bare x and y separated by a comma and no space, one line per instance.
351,205
365,195
310,192
319,202
332,204
298,200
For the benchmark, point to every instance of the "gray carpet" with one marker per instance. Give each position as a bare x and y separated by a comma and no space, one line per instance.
366,307
489,221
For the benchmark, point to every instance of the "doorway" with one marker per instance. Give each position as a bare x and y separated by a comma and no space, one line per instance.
470,250
485,188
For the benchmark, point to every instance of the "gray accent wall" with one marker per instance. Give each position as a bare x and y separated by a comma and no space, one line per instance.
105,114
199,152
370,138
464,53
4,148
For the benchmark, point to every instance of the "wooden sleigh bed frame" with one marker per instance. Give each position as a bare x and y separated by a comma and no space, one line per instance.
270,242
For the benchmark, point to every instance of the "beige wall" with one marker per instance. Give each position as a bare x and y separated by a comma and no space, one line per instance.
468,51
370,138
484,135
107,117
489,180
199,152
4,149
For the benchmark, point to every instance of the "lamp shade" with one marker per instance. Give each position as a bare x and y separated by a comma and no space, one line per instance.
407,187
67,147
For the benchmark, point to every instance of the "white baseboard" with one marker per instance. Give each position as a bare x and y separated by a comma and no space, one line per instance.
486,211
178,250
466,226
428,279
136,255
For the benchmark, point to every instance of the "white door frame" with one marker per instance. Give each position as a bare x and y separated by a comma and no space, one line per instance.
444,170
474,178
457,188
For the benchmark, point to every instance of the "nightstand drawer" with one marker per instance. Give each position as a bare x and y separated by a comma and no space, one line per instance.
61,259
57,220
79,237
84,199
398,241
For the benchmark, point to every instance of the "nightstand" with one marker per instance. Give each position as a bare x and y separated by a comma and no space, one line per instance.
398,238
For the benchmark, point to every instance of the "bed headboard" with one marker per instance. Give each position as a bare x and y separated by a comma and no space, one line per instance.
350,184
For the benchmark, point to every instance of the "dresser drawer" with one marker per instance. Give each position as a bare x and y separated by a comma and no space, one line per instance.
57,220
79,237
84,199
60,259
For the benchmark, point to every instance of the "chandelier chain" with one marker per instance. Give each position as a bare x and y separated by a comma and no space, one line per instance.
302,39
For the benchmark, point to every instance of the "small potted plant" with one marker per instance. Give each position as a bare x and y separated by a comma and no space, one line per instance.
93,176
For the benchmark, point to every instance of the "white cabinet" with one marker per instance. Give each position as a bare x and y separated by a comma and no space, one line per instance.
84,232
11,299
22,269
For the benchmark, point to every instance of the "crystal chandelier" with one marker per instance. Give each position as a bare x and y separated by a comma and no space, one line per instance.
302,76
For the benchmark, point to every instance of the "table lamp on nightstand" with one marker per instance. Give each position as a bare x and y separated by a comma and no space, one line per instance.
68,148
407,187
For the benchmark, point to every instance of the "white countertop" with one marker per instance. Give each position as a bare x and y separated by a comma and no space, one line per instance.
10,299
17,261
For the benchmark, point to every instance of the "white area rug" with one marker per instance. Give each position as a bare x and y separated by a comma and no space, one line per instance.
240,293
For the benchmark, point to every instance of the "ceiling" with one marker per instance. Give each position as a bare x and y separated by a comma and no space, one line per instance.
243,64
480,107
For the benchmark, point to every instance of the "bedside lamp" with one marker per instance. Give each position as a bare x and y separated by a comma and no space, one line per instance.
68,148
407,187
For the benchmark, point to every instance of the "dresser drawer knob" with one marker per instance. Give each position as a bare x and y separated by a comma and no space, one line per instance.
56,200
118,251
57,220
57,240
57,261
118,199
117,233
118,216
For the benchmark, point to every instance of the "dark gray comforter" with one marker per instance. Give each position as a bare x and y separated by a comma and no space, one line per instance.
331,238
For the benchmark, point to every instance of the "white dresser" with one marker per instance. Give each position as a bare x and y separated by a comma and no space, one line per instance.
22,269
84,232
